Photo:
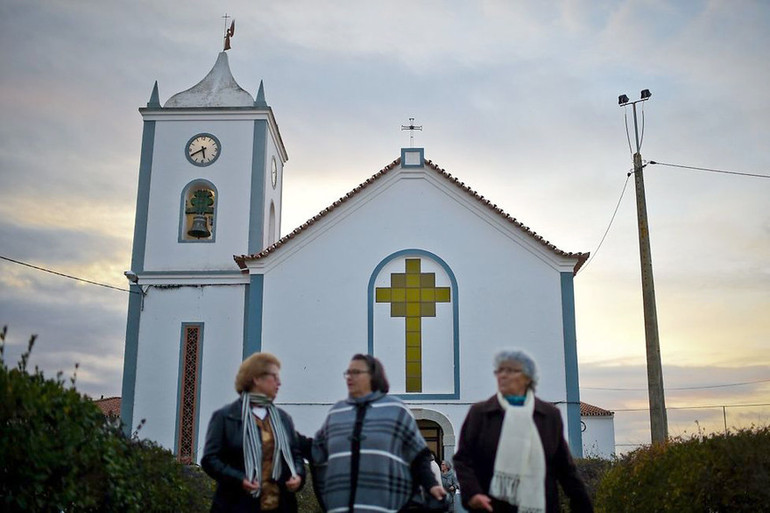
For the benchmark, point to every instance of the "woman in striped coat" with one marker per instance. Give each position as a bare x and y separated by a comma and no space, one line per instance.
369,448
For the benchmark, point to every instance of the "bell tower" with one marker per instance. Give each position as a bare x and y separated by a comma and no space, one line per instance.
210,177
210,181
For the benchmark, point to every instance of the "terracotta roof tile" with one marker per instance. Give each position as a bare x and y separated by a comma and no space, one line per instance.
589,410
110,406
241,259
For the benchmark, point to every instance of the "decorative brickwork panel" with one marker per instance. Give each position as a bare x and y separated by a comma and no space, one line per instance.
188,397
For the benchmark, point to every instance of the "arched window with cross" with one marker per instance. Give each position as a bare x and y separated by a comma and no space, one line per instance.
413,324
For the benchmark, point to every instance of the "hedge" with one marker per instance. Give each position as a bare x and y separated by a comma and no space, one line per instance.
59,453
728,472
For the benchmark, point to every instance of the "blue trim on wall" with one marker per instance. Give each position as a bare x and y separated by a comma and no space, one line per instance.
571,364
455,318
130,356
131,351
179,388
143,196
252,340
257,202
420,151
202,182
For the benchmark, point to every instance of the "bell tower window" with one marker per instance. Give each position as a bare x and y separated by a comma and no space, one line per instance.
198,213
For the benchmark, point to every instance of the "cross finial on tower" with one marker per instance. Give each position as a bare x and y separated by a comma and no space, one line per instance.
229,32
411,127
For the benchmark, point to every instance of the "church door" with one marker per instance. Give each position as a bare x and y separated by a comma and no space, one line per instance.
434,437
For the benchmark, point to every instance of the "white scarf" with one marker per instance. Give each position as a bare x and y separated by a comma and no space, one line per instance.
519,477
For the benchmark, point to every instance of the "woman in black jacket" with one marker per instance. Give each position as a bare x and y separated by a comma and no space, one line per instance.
251,448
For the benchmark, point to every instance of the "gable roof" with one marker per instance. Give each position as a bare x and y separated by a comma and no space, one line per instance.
241,259
589,410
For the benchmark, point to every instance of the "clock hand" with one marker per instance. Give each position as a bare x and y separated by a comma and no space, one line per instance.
201,150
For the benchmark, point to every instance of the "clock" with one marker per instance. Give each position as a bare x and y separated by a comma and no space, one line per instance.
202,149
274,174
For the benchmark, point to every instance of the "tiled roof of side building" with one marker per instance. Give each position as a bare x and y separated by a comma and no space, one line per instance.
241,259
589,410
110,406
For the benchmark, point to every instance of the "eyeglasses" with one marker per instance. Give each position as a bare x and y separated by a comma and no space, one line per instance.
507,370
353,372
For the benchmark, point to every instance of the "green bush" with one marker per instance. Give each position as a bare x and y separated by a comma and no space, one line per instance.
59,453
715,473
592,471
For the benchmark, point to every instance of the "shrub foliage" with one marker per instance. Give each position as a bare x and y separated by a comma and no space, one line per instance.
59,453
719,473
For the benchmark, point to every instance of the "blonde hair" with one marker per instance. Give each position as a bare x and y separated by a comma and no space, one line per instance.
253,367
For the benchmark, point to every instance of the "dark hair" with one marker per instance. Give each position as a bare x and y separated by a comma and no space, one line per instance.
376,371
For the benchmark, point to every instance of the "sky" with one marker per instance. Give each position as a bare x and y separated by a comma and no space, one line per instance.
517,99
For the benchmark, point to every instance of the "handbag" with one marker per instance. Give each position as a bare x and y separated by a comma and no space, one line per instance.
423,502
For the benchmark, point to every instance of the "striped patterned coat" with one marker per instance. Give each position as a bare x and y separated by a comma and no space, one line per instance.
389,441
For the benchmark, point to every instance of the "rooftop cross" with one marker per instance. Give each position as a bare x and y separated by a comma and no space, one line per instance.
229,32
413,295
411,127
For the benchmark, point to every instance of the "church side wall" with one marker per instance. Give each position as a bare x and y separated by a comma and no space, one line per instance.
219,309
599,436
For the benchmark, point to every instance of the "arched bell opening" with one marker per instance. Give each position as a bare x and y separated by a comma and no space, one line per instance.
198,213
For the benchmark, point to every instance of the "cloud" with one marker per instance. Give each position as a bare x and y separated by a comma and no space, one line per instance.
699,398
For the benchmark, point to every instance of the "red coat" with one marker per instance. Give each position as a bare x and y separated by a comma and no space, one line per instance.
475,459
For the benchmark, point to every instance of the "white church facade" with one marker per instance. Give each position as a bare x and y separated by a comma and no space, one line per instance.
411,266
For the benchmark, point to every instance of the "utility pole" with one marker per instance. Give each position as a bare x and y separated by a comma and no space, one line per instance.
658,418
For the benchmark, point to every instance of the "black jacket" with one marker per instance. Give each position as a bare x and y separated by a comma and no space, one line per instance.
475,459
223,460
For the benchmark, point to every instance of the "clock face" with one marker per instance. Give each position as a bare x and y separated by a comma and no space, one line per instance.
274,174
202,149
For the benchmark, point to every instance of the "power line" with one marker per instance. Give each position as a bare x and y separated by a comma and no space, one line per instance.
709,169
66,275
704,407
622,192
678,388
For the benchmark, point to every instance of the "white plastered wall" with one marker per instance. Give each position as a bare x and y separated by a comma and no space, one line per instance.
598,436
171,172
220,309
315,291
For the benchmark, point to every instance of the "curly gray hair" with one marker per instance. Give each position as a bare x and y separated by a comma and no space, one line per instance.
528,365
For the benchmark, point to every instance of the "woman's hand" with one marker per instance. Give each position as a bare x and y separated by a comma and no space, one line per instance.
480,501
250,486
438,492
292,484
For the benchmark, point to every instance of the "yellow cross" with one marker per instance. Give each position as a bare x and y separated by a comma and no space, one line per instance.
413,295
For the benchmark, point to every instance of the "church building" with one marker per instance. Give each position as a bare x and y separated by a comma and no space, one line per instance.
411,266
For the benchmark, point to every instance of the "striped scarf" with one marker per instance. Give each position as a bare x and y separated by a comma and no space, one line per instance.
252,443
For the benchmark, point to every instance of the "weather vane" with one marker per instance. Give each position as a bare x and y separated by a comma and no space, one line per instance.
229,32
411,127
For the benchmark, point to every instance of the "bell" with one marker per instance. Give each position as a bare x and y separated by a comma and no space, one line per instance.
199,228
